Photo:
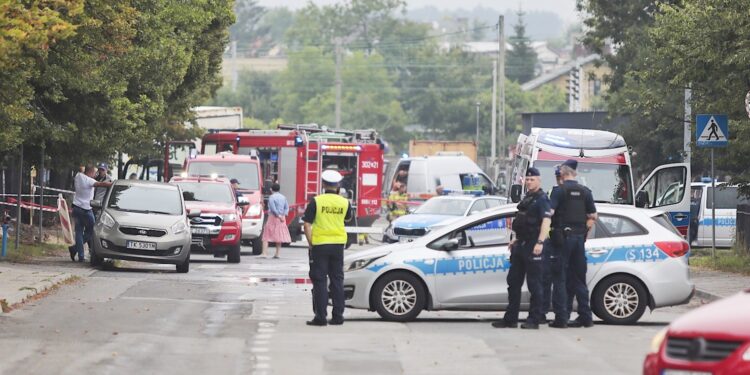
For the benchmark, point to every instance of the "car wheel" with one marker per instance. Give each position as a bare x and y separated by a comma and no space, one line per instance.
233,256
620,299
399,297
257,246
96,260
184,267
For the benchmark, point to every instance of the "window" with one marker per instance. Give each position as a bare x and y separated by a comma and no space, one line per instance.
479,205
609,183
209,148
726,198
206,192
664,221
146,199
666,187
492,231
618,226
246,173
492,203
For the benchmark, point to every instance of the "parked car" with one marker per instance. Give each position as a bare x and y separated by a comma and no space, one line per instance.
712,339
218,228
142,221
727,199
436,212
637,259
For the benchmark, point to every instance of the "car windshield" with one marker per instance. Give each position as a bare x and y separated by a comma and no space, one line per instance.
245,173
451,207
609,183
206,192
146,199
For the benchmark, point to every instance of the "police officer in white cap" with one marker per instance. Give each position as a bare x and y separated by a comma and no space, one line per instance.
324,229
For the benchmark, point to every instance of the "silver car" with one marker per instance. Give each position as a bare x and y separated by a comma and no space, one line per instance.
142,221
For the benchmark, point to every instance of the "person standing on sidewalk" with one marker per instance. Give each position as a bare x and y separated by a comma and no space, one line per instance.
276,230
82,213
326,237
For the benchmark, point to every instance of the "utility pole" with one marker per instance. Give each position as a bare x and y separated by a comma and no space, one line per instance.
41,196
493,128
686,124
477,135
501,85
338,83
235,75
18,196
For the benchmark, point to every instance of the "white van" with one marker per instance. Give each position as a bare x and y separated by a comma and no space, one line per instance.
424,174
727,199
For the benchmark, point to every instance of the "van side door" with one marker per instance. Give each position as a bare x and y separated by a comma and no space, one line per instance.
666,189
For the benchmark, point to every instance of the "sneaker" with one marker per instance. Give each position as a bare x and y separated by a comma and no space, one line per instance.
318,323
336,322
72,252
503,324
577,324
529,325
556,324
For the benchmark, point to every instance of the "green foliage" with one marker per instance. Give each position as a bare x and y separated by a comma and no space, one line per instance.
248,27
521,61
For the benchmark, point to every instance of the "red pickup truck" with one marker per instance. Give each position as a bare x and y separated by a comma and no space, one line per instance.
218,228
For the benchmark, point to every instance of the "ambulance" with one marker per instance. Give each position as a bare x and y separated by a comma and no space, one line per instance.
604,166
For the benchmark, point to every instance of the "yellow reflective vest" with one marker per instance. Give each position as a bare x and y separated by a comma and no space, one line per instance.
328,226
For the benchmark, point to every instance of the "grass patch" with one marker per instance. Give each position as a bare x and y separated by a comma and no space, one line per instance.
726,260
27,252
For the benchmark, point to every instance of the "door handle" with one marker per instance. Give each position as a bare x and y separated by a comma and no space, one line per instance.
598,251
680,216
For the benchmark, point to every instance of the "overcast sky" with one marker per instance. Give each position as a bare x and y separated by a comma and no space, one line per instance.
564,8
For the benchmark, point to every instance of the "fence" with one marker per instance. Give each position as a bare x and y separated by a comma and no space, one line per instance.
743,229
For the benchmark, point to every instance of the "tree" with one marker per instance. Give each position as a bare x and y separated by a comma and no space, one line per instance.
249,26
522,58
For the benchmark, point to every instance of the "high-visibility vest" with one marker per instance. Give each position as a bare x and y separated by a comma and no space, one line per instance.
328,226
398,208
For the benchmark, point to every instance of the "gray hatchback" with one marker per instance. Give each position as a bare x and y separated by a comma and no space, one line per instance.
142,221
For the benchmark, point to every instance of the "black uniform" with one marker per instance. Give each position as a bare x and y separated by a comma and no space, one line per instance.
523,263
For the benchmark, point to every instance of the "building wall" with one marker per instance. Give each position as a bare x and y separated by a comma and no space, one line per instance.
592,83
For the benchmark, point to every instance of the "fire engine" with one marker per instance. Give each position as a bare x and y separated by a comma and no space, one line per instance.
295,156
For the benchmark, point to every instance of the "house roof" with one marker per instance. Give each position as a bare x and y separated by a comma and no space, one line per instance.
563,70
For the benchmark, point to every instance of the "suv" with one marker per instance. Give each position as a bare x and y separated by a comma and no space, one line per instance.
216,226
142,221
246,169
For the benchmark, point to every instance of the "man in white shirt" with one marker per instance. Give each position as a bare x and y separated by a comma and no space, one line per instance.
82,213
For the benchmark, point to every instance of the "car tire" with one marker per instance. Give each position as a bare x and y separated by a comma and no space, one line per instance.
184,267
620,299
399,297
233,256
96,260
257,246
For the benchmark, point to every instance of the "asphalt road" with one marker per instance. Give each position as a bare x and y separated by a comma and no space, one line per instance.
249,318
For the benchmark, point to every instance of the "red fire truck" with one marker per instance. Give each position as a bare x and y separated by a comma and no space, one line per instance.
295,156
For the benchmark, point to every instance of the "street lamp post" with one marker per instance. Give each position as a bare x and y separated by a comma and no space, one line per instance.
477,135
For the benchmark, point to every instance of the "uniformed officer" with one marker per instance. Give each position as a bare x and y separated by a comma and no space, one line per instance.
324,229
531,227
574,209
553,264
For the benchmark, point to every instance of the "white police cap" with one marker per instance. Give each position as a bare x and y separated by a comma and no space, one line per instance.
331,176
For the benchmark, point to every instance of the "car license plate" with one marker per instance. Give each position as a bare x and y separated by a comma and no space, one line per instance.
138,245
684,372
199,230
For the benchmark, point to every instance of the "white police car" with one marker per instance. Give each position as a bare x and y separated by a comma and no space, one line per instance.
436,212
637,259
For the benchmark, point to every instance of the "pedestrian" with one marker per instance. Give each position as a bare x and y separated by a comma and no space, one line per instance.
236,187
555,268
574,212
397,202
326,237
100,193
531,227
275,229
82,213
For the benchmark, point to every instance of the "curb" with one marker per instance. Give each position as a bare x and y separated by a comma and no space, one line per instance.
708,296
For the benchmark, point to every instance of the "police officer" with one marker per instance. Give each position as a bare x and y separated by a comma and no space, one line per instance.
574,214
531,227
324,229
551,254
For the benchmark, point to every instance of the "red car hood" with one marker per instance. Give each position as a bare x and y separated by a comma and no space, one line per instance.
728,319
211,207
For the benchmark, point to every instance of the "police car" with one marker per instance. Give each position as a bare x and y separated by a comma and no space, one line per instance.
637,259
436,212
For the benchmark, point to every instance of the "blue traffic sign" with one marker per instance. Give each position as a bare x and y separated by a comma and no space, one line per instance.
712,130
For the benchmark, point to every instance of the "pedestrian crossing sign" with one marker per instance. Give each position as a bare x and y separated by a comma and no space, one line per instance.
712,130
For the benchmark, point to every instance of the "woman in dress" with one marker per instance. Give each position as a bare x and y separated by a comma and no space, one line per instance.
275,229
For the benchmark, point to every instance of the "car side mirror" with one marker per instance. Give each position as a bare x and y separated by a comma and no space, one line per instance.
194,213
451,244
515,193
641,199
242,201
95,203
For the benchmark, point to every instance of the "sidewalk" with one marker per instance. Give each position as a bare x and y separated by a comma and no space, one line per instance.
21,281
712,285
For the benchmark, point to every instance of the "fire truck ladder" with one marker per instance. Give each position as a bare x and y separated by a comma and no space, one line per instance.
312,168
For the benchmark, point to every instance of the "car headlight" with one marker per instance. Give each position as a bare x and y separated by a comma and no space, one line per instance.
658,340
362,263
255,210
229,218
107,221
179,227
746,356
